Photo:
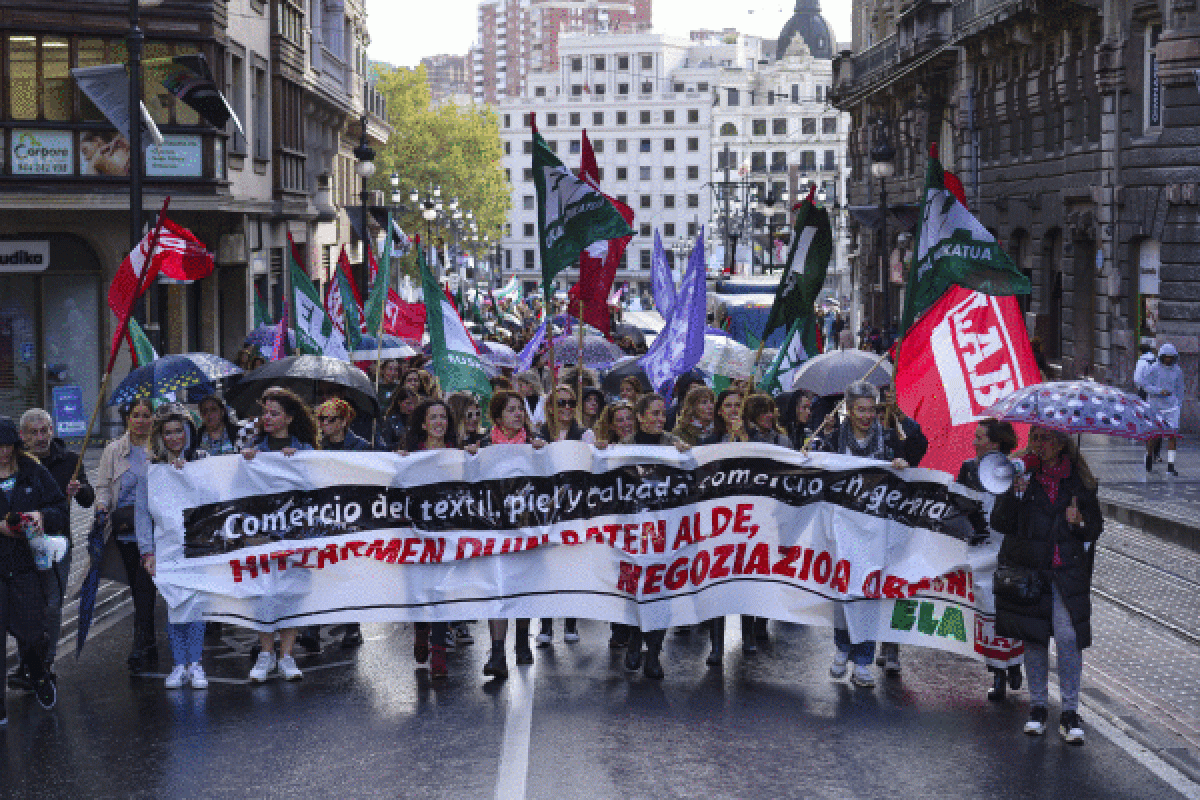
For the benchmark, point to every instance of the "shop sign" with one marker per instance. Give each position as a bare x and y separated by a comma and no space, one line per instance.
70,421
22,255
42,153
176,157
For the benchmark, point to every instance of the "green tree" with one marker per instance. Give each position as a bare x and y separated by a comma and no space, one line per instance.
456,148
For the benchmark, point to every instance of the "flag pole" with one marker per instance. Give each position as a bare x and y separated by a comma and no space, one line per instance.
842,403
579,376
387,254
122,328
812,193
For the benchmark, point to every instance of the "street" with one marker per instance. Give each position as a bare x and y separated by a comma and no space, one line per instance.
575,724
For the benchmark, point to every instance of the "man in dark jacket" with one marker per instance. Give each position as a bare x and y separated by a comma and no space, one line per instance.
37,433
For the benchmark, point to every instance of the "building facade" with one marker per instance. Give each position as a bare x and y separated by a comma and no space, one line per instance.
1068,122
447,78
292,73
517,37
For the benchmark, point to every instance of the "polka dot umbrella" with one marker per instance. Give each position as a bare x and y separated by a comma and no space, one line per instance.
1082,407
166,377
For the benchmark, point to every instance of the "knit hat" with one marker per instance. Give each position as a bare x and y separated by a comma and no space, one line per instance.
1167,349
8,432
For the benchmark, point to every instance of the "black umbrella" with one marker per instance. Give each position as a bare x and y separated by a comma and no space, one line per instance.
831,373
303,375
626,367
91,582
633,332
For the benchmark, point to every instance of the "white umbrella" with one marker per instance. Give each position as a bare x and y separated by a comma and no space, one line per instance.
726,356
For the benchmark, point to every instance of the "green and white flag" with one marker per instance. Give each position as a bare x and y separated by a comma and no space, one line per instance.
804,274
353,325
315,332
954,248
143,351
799,346
572,213
378,294
455,358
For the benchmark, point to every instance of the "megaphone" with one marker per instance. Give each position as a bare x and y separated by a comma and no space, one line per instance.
997,472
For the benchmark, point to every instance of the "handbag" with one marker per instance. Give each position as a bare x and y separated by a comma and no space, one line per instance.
1018,585
121,520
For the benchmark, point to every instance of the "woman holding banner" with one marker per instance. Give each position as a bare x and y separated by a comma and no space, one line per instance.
510,425
1050,520
862,435
727,421
394,426
287,427
172,441
695,422
651,423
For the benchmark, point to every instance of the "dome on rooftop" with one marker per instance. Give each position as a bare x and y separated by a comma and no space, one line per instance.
809,25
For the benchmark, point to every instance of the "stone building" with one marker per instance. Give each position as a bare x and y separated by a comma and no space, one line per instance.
1071,124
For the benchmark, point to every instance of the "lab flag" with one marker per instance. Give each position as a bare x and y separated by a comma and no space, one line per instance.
662,283
804,274
316,334
572,213
680,345
456,360
953,249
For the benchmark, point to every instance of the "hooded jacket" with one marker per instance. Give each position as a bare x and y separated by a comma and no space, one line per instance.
35,490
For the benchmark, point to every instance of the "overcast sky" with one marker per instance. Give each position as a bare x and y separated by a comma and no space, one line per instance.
405,31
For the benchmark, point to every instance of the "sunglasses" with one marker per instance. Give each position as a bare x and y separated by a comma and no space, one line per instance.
323,419
1042,437
473,414
566,403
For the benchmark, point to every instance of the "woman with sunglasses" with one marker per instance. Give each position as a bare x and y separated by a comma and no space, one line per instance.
593,407
1050,520
1165,389
466,410
510,425
288,428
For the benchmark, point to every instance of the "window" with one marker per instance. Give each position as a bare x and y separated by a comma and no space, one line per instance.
693,173
597,145
574,148
528,230
1151,83
647,87
728,129
644,174
644,201
830,161
730,163
693,201
623,198
701,87
539,91
527,119
622,173
598,90
623,63
574,119
529,260
644,117
529,202
508,175
600,174
552,120
778,161
644,146
622,88
622,146
677,87
508,120
758,127
262,113
597,117
668,145
770,98
691,229
647,61
508,148
553,145
668,201
235,91
527,175
808,161
668,173
818,92
645,230
668,118
598,63
779,127
758,161
693,144
576,64
622,118
829,125
527,147
808,126
732,98
645,259
795,93
668,229
576,90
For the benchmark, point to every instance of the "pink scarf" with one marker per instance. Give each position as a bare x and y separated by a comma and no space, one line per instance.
1050,476
498,436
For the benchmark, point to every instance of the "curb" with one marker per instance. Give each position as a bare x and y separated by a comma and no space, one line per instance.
1172,530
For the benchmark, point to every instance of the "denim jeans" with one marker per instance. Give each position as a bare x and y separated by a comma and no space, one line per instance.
862,653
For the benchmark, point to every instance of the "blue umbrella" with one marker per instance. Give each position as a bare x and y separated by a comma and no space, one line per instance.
87,592
262,339
393,347
171,374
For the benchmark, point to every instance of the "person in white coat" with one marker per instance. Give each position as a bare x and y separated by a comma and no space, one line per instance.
1144,363
1164,386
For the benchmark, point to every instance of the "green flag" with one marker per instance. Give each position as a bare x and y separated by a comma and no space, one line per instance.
953,248
261,316
455,359
799,345
572,214
804,274
315,332
377,297
143,351
349,311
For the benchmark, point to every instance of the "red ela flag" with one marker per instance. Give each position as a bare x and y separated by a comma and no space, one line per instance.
598,263
964,354
406,320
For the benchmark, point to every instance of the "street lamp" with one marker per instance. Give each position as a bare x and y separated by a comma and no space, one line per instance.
883,167
364,167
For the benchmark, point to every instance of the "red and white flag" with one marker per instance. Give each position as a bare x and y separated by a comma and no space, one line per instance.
968,351
406,320
182,256
333,294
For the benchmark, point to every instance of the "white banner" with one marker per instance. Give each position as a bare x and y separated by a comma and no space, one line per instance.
640,535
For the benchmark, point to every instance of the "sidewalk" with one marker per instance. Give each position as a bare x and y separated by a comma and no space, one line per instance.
1165,506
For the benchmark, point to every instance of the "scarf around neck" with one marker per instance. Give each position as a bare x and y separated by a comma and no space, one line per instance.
498,437
1051,476
874,447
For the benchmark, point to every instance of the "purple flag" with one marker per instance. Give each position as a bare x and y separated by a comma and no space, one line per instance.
680,345
662,284
526,356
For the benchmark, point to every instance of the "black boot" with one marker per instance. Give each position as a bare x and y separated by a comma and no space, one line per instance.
352,637
619,637
749,641
1014,677
521,648
999,682
497,666
633,651
717,631
652,668
760,630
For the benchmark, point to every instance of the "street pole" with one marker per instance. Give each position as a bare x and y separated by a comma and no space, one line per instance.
883,263
134,43
730,239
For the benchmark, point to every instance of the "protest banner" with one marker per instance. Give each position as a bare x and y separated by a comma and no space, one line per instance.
639,535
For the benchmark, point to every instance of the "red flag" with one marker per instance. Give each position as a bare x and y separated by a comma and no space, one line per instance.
406,320
333,294
133,277
182,256
964,354
598,263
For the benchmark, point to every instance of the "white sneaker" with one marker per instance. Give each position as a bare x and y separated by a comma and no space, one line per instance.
199,679
287,665
177,677
265,664
861,676
544,638
838,668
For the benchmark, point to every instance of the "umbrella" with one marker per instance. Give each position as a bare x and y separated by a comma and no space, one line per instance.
611,383
632,332
726,356
263,338
597,351
302,374
171,374
91,582
831,373
1082,407
498,355
393,347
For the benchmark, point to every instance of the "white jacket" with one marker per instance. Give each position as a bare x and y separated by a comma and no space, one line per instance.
1139,372
1165,386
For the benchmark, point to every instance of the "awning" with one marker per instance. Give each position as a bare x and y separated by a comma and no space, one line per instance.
887,81
900,217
